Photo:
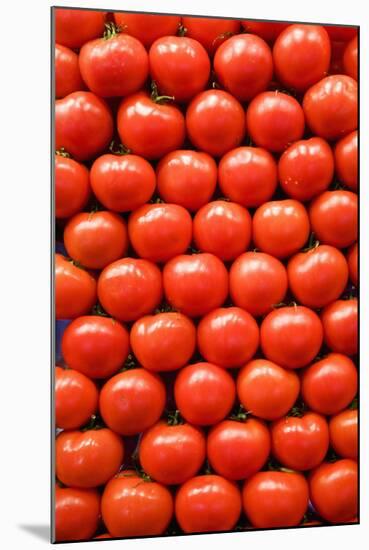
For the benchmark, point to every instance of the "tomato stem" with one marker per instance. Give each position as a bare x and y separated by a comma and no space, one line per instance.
98,310
182,31
353,405
63,153
313,243
240,415
174,418
118,149
111,30
155,97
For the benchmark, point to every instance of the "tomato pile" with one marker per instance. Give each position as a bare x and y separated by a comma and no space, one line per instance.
206,276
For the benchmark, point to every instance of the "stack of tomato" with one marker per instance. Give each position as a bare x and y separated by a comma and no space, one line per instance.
206,205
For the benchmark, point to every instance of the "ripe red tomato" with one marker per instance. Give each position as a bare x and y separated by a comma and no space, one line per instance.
130,288
275,120
206,504
340,324
211,32
132,401
306,168
147,27
76,398
237,450
204,393
67,76
163,342
346,160
228,337
317,277
334,490
88,459
76,513
337,50
75,27
72,187
275,499
104,536
248,175
343,432
96,346
265,29
350,58
291,336
158,232
301,55
267,390
341,33
75,289
257,282
280,228
329,385
352,262
172,454
330,107
222,228
211,114
195,284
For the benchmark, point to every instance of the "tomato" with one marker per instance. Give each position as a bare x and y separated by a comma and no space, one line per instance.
334,490
346,160
76,398
76,513
158,232
340,324
103,536
96,346
163,342
147,27
343,432
337,50
350,58
132,401
67,76
228,337
265,29
280,228
222,228
130,288
83,125
257,282
180,66
122,183
237,450
75,27
206,504
267,390
211,32
275,120
133,507
211,114
195,284
352,262
172,454
341,32
149,128
204,393
275,499
75,289
187,178
330,107
329,385
88,459
72,187
306,168
291,336
317,277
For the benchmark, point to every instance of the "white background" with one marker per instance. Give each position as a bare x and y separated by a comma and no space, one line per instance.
24,274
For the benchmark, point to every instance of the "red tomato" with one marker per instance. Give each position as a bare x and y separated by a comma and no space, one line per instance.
96,346
67,76
75,289
265,29
275,120
337,50
75,27
291,336
211,114
257,282
237,450
132,401
147,27
172,454
163,342
76,398
228,337
267,390
346,160
204,393
334,218
350,58
195,284
343,432
306,168
340,324
211,32
206,504
341,32
352,262
76,512
88,459
83,125
280,228
329,385
330,107
72,187
103,536
130,288
317,277
248,175
158,232
275,499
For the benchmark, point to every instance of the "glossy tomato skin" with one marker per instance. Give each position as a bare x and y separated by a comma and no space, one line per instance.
147,27
266,389
76,398
163,342
346,160
210,32
352,262
77,513
75,289
228,337
132,401
340,324
350,58
206,504
343,432
72,187
265,29
67,75
75,27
